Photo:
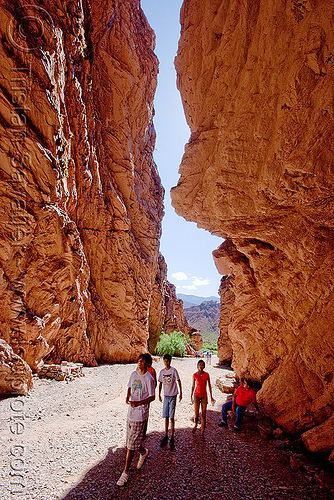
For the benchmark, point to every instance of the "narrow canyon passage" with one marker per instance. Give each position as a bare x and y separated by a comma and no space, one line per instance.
74,447
83,272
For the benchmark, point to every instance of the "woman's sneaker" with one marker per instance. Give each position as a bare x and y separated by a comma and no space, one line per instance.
142,459
123,479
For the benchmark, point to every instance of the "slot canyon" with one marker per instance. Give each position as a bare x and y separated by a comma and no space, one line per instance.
81,275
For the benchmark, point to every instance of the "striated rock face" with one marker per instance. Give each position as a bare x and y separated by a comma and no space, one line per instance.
256,79
226,303
15,374
195,339
81,200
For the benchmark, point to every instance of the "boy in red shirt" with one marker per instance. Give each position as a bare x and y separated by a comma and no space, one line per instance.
243,396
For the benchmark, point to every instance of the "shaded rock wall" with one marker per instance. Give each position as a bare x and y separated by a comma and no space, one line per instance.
227,297
256,79
81,199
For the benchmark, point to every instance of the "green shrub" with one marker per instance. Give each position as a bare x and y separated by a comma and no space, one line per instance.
173,344
210,346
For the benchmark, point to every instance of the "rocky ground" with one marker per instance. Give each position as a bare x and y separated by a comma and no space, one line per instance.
66,441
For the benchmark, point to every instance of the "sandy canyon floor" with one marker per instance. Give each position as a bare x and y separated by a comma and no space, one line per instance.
69,443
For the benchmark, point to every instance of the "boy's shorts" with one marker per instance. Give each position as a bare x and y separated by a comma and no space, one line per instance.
168,408
134,434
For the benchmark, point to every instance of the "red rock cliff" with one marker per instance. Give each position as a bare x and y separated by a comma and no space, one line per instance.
256,79
166,310
81,199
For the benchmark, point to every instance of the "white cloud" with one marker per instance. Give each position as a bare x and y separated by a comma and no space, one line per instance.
200,281
189,287
180,276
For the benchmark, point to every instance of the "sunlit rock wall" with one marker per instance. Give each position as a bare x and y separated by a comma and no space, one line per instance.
256,80
81,199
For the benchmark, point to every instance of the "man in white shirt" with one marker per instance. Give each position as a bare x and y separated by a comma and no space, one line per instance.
141,391
168,377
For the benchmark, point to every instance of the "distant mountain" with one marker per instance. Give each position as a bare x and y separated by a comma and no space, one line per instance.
194,300
205,318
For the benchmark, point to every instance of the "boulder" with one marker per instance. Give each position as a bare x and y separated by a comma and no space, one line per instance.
15,374
321,437
226,385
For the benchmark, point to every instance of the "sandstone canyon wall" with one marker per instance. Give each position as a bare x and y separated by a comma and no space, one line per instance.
257,81
81,199
224,345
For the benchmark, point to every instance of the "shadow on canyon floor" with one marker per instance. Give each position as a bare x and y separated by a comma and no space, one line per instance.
225,466
222,367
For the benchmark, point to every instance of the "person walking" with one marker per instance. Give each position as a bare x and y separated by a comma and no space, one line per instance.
168,379
199,397
141,391
152,371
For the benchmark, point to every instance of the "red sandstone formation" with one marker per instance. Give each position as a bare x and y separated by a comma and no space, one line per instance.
257,81
81,198
15,374
226,303
166,311
196,340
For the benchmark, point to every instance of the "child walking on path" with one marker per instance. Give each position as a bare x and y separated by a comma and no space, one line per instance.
168,377
152,371
199,395
141,391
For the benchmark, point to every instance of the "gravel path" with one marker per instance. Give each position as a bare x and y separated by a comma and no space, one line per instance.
68,443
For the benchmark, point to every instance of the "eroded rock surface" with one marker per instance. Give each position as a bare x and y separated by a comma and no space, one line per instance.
224,344
81,198
256,79
15,374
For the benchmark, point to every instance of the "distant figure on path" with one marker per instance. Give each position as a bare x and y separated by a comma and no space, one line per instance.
243,396
141,391
152,371
208,357
199,395
168,377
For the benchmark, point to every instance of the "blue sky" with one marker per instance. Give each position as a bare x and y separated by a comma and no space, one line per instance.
187,249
